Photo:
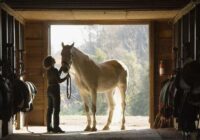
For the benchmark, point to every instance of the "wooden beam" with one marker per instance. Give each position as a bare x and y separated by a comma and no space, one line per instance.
12,12
152,73
98,4
74,15
186,9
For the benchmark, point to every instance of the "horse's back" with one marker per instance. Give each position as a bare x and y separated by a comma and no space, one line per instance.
115,64
115,68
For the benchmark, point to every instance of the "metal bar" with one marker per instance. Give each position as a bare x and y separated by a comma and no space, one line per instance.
21,49
1,48
4,38
185,35
185,28
14,46
22,35
10,46
198,32
189,26
181,41
195,34
191,32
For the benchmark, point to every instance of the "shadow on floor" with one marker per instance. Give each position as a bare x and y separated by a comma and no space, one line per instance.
141,134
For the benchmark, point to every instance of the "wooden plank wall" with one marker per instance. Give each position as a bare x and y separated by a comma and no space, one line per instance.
35,50
36,42
163,51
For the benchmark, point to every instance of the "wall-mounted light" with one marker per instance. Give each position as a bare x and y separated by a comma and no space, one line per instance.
161,68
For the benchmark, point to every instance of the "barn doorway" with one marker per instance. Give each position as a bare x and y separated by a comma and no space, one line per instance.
128,43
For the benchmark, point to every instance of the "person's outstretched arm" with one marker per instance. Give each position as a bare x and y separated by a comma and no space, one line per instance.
60,71
60,80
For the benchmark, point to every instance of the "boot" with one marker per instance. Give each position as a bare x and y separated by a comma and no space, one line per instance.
58,130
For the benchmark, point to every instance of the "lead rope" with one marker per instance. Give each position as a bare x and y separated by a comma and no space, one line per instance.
69,87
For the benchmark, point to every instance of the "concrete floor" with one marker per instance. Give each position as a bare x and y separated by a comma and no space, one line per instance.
135,134
137,128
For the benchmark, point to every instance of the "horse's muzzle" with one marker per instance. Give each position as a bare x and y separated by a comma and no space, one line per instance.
65,69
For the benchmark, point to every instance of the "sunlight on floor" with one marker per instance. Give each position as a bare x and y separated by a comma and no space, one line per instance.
78,123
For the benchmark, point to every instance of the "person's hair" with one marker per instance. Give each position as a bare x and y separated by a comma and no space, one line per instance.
48,62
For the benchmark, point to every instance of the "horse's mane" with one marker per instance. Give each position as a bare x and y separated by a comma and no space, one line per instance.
77,53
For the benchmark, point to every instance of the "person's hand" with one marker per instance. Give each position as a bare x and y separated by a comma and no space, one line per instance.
60,68
67,76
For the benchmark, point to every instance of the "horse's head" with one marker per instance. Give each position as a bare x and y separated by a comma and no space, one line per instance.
66,57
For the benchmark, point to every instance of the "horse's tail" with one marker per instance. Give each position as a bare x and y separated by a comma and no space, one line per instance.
124,75
127,74
123,84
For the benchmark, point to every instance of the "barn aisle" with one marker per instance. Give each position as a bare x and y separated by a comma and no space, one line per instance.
135,134
137,128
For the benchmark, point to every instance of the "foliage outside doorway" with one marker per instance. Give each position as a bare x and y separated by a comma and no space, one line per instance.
127,43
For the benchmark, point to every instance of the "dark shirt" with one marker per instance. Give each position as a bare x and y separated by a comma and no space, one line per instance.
53,76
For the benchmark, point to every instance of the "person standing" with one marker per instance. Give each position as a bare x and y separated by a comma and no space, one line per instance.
53,94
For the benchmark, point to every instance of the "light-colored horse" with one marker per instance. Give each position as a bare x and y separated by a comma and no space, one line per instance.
92,78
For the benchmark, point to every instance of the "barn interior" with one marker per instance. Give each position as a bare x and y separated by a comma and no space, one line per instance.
174,30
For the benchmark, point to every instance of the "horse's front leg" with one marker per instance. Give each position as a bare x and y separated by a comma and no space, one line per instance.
86,107
94,99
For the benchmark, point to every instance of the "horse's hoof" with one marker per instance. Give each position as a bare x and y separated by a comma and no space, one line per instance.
106,128
123,128
87,128
93,129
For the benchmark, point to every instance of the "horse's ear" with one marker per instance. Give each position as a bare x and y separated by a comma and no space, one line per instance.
62,44
72,44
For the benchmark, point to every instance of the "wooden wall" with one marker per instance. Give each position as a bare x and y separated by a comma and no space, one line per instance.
161,41
35,49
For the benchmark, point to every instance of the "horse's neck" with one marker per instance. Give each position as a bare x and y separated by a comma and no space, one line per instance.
78,57
81,61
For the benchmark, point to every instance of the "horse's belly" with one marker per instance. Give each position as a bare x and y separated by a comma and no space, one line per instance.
104,86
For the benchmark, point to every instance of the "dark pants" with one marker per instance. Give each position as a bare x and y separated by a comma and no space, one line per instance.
53,93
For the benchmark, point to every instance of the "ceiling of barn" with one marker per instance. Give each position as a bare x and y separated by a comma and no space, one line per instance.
96,9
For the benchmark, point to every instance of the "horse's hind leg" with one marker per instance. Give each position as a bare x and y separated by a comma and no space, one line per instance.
86,107
94,100
111,104
122,89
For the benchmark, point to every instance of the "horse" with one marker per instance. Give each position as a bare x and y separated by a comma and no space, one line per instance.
92,78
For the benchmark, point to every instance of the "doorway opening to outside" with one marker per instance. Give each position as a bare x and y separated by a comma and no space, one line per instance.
127,43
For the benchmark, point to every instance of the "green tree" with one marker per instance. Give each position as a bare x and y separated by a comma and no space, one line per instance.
127,43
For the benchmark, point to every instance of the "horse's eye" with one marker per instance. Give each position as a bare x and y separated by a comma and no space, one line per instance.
64,62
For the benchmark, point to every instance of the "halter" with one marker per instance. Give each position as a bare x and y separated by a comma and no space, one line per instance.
68,86
68,80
